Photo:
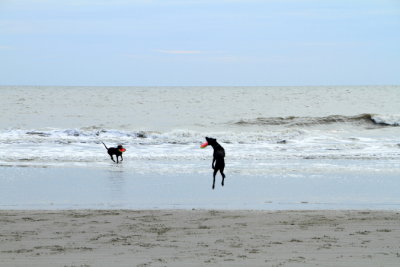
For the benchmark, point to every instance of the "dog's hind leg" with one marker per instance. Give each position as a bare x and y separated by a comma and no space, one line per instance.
223,175
112,158
220,166
215,173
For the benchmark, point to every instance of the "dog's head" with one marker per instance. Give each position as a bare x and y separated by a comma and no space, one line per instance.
121,148
211,141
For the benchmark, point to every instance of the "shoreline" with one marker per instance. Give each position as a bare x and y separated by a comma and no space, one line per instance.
199,237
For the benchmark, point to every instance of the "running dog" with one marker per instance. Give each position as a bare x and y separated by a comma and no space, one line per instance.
117,151
218,163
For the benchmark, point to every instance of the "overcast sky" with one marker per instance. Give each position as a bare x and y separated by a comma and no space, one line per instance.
199,42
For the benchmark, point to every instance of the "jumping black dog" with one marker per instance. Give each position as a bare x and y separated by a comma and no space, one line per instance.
117,151
218,163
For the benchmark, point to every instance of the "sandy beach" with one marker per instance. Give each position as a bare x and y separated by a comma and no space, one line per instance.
199,238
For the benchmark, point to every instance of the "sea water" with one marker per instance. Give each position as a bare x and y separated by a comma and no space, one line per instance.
285,134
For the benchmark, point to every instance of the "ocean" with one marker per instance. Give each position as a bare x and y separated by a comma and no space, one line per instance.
280,133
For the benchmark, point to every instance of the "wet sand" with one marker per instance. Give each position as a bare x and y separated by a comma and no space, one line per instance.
199,238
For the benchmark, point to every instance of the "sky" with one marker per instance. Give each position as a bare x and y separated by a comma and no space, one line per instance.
199,42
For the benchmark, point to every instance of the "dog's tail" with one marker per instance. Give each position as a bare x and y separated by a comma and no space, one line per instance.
105,146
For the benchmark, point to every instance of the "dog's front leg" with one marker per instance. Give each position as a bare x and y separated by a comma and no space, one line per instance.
212,165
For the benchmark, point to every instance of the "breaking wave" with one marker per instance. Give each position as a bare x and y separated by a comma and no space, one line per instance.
182,137
82,146
150,150
293,121
289,129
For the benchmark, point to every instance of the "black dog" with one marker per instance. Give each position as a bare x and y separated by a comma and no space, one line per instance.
117,151
218,163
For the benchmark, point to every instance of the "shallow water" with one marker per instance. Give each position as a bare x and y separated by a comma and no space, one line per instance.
116,188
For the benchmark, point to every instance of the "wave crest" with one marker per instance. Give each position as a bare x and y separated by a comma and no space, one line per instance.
293,121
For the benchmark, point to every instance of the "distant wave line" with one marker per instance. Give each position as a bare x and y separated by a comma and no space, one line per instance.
362,119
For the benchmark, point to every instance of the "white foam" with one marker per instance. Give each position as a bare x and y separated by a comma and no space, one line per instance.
393,120
178,150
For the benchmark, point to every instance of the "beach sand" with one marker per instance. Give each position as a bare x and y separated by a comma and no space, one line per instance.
199,238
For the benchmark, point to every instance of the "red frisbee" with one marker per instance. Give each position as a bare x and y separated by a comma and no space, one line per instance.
204,145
